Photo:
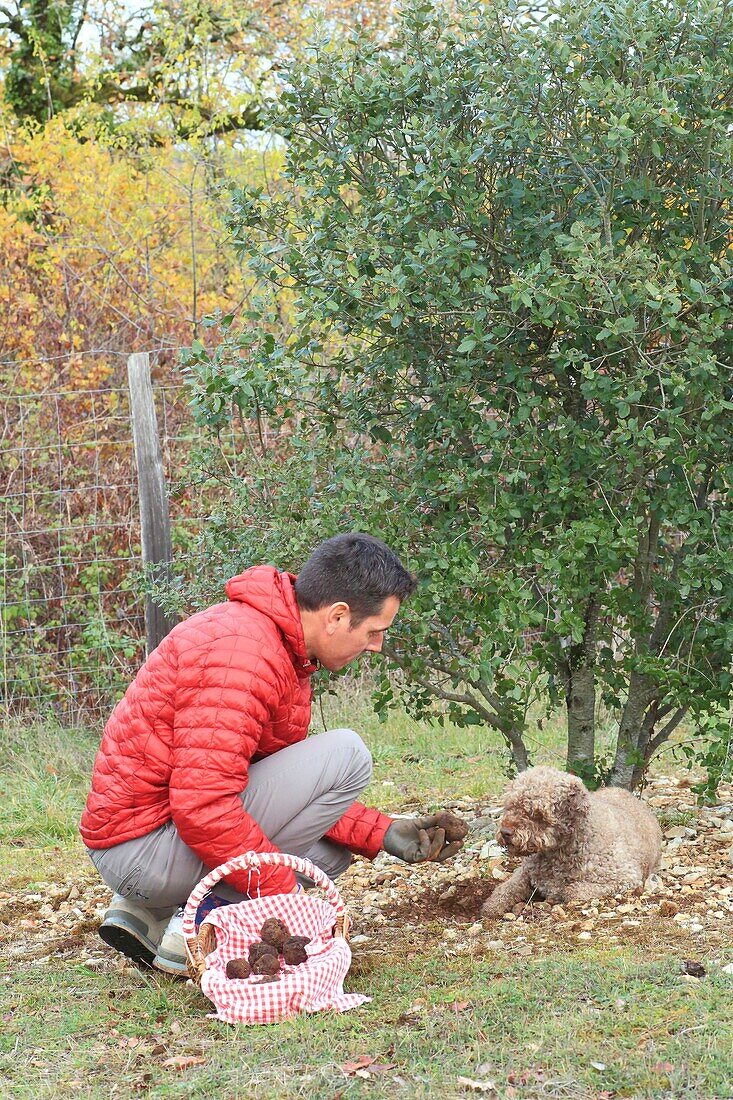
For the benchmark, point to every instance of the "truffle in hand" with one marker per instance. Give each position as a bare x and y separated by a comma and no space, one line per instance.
294,952
274,932
266,964
257,950
238,968
455,827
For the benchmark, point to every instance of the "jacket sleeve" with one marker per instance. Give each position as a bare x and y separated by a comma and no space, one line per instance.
361,830
226,686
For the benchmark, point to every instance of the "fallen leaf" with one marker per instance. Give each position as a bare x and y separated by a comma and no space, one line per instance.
374,1070
181,1061
663,1067
459,1006
477,1086
351,1068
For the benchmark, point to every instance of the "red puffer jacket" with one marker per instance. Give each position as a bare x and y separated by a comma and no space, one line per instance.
227,686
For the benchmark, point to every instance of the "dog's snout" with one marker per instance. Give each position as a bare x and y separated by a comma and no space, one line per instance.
507,832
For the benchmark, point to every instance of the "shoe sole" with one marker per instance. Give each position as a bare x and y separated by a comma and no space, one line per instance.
129,940
171,964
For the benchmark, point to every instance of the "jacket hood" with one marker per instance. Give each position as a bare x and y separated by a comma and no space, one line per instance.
273,594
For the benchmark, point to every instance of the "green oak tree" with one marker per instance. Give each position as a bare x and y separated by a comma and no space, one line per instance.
508,240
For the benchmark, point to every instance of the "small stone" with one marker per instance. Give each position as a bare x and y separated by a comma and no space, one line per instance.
585,936
693,968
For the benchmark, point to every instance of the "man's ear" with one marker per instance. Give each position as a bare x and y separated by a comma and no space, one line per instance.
336,614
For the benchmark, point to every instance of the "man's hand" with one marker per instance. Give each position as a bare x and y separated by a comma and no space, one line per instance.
419,839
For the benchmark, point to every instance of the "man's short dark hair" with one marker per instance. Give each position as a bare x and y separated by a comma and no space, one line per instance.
358,569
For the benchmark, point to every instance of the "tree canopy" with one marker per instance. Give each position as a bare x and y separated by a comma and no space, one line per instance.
508,241
192,68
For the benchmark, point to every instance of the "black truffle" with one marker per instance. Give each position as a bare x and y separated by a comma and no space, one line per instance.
294,951
266,964
257,950
273,931
238,968
455,827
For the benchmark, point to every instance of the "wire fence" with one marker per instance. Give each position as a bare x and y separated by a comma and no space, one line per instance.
72,627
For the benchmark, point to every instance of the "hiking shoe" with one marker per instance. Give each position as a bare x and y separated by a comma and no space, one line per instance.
170,956
132,930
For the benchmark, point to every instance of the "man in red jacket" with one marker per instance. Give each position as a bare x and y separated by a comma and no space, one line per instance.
206,754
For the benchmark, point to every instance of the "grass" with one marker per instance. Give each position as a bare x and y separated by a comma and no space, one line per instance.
594,1024
43,781
572,1022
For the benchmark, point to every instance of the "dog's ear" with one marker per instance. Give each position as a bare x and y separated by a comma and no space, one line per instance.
575,800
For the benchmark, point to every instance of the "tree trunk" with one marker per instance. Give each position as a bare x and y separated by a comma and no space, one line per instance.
580,698
581,705
651,741
629,754
519,749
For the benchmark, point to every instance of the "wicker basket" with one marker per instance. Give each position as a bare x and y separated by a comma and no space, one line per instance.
227,931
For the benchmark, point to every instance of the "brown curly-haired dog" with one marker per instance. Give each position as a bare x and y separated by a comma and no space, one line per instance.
578,844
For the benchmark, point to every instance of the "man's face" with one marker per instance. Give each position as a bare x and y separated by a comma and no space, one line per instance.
342,643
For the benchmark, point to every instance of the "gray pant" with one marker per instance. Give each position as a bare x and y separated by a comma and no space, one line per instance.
295,795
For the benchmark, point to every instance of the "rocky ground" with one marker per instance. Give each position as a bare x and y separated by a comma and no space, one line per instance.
689,912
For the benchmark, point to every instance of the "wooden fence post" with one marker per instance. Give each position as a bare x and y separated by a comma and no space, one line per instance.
155,529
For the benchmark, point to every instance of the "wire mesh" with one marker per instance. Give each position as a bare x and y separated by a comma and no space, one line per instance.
72,631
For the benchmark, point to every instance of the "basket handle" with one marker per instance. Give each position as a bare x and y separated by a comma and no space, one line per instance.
251,861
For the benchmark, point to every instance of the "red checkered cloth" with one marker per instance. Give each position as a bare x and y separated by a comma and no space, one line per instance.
312,986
